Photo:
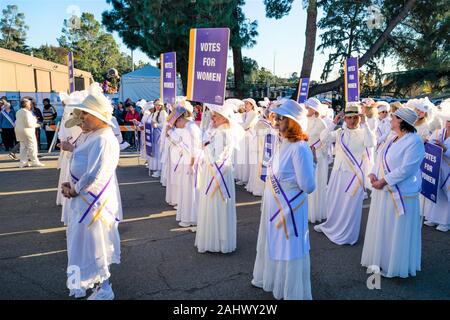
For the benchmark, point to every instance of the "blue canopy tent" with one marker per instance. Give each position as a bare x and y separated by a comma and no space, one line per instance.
143,83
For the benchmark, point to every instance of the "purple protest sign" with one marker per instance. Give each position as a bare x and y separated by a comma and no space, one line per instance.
207,74
430,167
303,89
351,80
71,76
168,88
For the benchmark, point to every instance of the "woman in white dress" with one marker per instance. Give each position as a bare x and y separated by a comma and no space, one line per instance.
316,200
25,128
384,127
94,204
190,146
438,214
423,111
158,121
67,134
249,119
282,263
393,234
345,191
267,137
216,221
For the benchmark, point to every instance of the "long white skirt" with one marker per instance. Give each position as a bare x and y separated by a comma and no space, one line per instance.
155,161
343,210
64,176
438,212
317,210
242,166
216,219
393,242
91,249
289,280
188,196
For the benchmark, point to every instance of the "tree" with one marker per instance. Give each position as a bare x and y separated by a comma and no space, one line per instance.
153,27
13,29
94,50
397,15
277,9
250,69
422,44
51,53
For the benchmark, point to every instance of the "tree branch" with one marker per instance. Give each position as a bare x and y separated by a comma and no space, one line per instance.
328,86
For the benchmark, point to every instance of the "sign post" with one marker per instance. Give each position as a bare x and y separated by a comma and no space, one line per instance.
303,89
71,74
207,72
430,168
351,80
168,87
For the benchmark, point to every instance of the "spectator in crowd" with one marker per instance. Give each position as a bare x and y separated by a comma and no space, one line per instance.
119,113
7,123
131,115
25,133
49,114
40,119
198,109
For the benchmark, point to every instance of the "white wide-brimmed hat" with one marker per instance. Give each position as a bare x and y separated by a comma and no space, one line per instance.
423,104
407,114
352,109
293,110
252,102
237,103
368,102
445,115
98,105
314,104
227,110
383,106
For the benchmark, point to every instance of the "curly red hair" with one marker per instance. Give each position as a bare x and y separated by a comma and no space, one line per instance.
295,132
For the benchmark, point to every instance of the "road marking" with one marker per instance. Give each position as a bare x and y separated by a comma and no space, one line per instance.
56,189
243,204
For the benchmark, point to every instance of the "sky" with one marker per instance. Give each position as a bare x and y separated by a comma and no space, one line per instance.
279,47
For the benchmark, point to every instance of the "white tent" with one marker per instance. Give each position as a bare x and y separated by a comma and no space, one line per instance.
143,84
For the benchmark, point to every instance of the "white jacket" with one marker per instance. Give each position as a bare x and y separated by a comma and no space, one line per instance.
26,123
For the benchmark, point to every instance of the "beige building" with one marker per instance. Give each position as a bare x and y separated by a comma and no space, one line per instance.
23,73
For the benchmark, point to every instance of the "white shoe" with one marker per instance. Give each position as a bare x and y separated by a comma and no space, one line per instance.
175,207
239,183
102,294
156,174
442,228
184,225
193,229
24,165
430,224
318,228
37,164
366,196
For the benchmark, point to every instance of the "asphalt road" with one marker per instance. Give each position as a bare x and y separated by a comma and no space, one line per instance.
159,260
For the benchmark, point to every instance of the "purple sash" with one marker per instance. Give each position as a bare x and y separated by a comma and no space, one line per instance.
148,138
96,198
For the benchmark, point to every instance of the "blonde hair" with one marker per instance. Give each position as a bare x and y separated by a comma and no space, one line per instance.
395,106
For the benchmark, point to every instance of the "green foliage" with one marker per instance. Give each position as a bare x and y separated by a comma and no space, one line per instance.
164,25
94,49
346,33
13,30
51,53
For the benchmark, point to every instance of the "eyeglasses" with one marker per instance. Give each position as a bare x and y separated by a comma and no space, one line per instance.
279,118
